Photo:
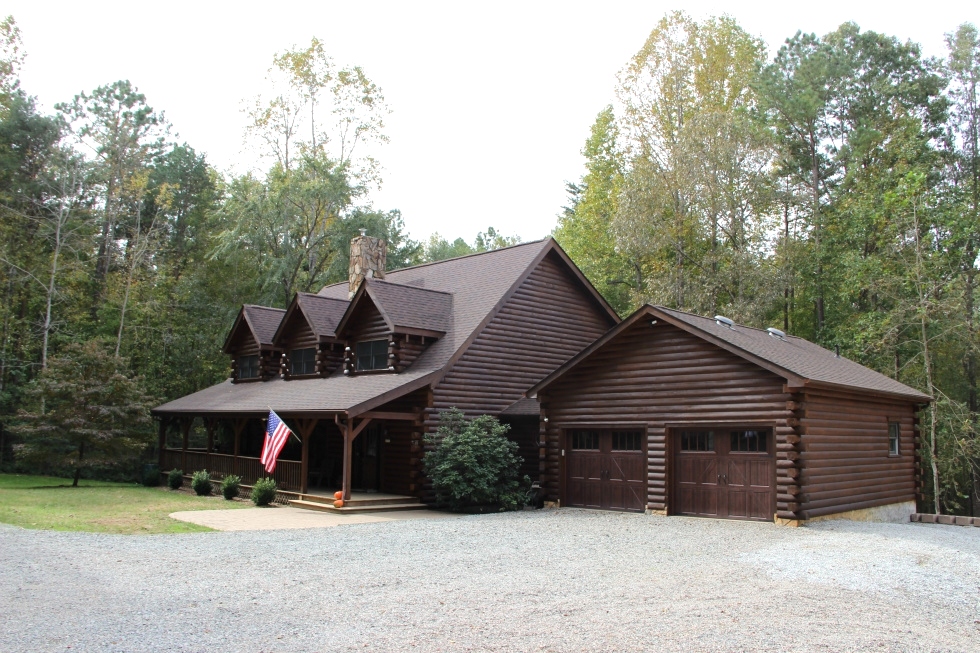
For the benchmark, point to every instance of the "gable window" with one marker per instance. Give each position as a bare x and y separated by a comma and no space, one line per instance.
372,355
302,361
894,433
248,367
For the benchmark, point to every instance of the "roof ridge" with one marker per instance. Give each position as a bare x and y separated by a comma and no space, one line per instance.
375,280
738,324
267,308
454,258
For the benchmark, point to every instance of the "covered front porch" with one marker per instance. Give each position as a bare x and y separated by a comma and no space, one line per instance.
364,456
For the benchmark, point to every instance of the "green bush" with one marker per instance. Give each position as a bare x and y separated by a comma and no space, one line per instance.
229,486
201,482
263,492
473,465
175,479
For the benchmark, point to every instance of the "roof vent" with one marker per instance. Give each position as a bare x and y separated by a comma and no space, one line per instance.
721,320
776,333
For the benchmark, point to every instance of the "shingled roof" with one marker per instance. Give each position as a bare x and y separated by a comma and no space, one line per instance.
796,359
262,321
406,308
478,285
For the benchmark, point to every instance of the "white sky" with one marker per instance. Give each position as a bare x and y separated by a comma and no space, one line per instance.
492,101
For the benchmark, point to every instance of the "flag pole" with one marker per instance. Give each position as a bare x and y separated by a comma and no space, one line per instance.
291,431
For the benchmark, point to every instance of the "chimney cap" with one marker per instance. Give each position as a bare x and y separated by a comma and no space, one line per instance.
363,231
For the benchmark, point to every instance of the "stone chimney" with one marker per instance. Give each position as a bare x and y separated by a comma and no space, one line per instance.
367,260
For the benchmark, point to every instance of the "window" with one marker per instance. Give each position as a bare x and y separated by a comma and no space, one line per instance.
894,433
372,355
302,361
585,440
697,441
626,441
248,367
750,441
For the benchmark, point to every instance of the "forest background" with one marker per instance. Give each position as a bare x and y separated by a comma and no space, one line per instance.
831,190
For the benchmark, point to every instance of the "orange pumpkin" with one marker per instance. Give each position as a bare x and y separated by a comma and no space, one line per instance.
339,503
338,495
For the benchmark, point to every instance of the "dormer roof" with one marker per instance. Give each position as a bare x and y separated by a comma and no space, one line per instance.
262,322
405,309
322,314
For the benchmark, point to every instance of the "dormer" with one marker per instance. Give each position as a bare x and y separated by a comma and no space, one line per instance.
254,356
388,326
307,337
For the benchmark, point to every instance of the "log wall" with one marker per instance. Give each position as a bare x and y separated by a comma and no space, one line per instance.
845,462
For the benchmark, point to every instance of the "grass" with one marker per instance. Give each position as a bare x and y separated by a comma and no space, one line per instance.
45,502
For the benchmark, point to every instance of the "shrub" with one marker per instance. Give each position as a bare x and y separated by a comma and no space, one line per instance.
175,479
474,465
201,482
263,492
229,486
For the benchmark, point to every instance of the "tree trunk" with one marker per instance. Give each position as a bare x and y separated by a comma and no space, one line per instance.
78,467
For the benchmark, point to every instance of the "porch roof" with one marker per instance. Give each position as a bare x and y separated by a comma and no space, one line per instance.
334,394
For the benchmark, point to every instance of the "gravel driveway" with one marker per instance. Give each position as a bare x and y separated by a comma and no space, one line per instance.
563,580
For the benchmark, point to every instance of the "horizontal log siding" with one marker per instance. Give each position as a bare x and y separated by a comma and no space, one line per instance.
659,375
367,324
547,320
297,334
408,348
401,462
844,457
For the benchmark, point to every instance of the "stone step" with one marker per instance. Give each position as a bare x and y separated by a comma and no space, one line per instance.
361,500
349,509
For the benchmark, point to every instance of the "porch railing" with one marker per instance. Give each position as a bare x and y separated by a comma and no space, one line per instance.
288,474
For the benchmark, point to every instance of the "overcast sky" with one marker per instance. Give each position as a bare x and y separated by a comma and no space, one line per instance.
492,101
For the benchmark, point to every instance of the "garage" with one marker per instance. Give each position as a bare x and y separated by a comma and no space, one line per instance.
726,472
606,469
737,423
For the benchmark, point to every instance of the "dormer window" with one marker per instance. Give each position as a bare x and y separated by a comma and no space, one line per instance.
302,361
248,367
372,355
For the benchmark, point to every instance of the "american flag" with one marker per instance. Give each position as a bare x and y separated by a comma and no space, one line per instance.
276,435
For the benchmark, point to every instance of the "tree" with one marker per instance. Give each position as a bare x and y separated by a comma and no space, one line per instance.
585,229
86,410
124,134
694,204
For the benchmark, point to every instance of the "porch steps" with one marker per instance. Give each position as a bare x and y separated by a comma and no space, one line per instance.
361,504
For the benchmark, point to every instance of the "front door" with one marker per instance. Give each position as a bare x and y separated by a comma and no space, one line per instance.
366,459
606,468
724,472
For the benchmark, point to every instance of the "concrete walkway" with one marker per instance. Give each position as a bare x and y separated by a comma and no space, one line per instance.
283,517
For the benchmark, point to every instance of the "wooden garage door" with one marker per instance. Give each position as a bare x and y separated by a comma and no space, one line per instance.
606,468
725,473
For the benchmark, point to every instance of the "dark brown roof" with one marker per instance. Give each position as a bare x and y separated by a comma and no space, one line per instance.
478,284
323,313
794,358
526,407
406,308
261,321
264,321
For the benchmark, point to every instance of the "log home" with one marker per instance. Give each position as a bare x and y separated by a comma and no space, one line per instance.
360,370
680,414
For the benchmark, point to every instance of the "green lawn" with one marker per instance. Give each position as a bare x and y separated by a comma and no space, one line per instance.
99,507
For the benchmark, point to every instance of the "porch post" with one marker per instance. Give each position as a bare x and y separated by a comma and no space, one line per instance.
209,424
306,430
348,451
185,428
162,437
239,425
